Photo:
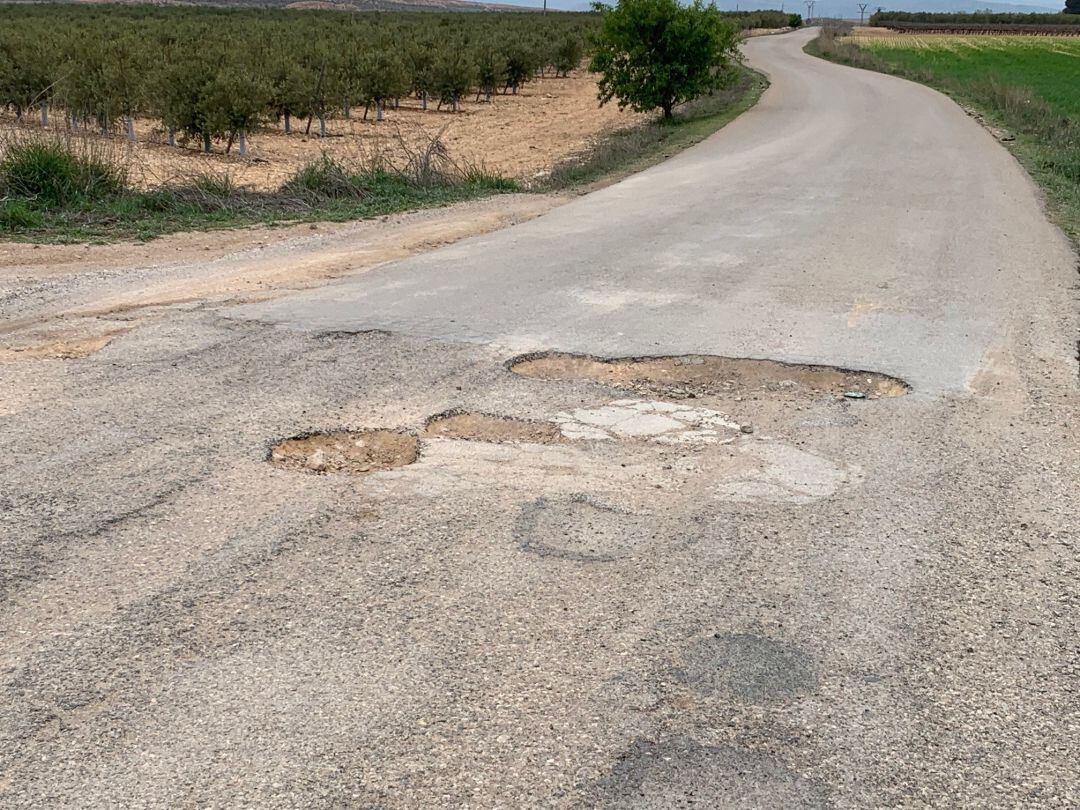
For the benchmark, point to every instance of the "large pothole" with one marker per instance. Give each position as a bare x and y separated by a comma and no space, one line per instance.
486,427
346,451
708,375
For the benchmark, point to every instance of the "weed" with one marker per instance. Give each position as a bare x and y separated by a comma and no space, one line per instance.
48,173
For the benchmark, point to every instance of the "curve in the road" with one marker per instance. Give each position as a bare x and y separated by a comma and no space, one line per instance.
851,218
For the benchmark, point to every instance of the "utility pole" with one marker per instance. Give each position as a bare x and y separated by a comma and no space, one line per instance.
862,11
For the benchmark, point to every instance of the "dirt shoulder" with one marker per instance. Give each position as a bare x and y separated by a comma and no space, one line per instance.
65,301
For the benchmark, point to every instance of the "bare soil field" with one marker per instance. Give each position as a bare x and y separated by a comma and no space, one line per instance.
518,136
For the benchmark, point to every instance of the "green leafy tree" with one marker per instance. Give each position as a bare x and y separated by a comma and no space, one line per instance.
290,89
234,103
382,78
421,64
454,75
521,63
27,71
1072,6
658,54
568,55
490,71
180,89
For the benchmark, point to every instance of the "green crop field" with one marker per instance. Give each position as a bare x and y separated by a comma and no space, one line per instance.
1025,86
1049,66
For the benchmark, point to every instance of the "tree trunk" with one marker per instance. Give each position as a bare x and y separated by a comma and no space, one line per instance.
131,128
348,110
243,144
44,113
378,110
667,108
322,125
206,143
288,123
423,100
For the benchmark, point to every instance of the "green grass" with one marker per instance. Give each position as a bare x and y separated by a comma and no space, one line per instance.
63,190
1026,86
633,149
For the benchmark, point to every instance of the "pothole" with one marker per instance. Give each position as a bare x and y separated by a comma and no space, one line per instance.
486,427
689,376
346,451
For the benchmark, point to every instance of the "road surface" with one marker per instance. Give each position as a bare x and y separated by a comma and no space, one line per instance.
768,594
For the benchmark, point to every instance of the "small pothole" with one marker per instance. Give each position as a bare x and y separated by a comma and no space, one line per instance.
346,451
485,427
689,376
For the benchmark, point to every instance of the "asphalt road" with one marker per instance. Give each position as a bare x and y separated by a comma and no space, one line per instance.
850,603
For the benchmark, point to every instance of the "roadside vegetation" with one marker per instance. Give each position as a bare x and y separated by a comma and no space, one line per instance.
635,148
71,189
73,80
658,54
1024,87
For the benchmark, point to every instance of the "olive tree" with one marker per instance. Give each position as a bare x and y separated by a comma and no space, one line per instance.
490,71
453,75
383,77
567,55
421,64
658,54
234,103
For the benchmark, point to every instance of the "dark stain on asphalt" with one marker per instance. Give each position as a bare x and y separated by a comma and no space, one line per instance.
748,667
683,773
580,528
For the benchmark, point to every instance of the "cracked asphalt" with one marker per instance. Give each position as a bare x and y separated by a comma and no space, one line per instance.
851,603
